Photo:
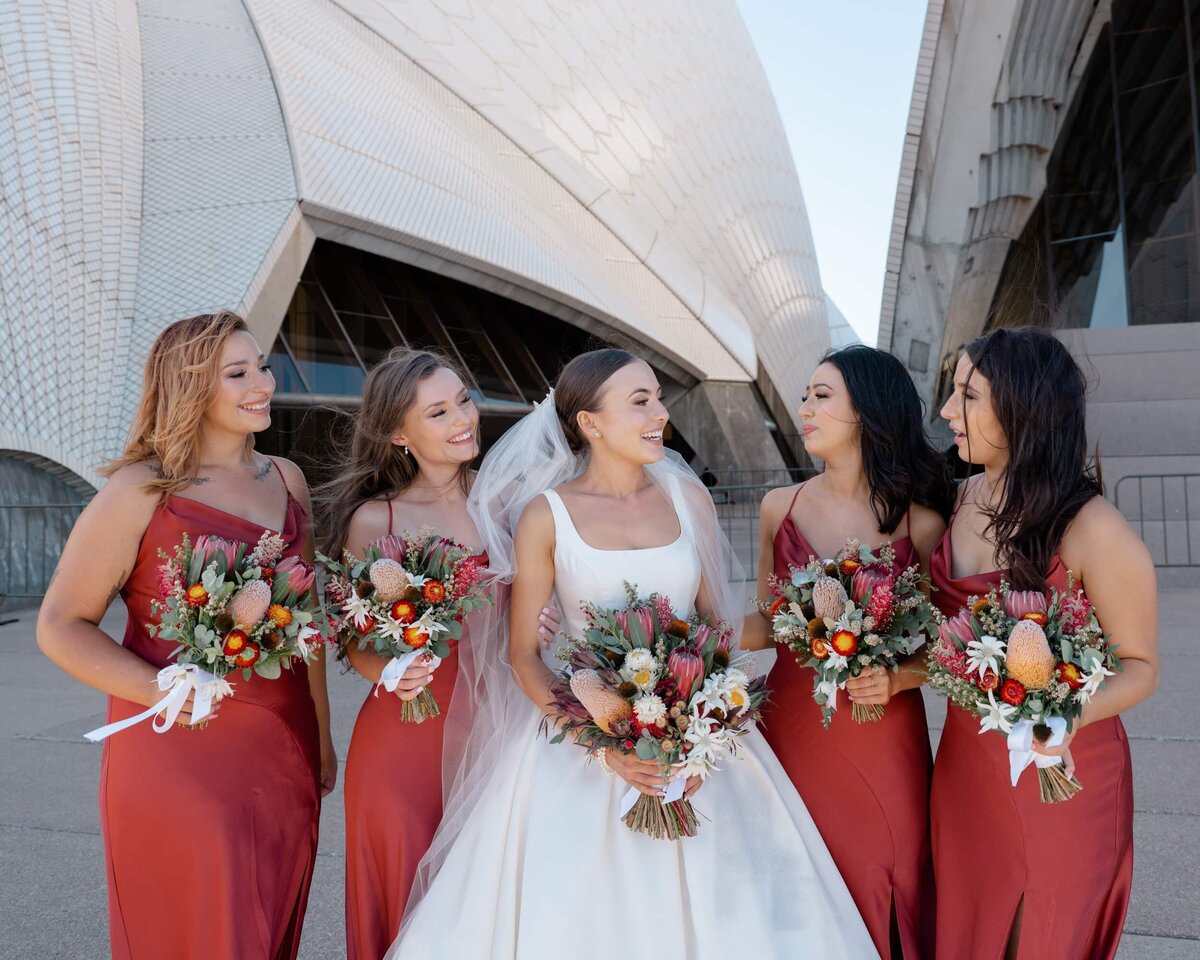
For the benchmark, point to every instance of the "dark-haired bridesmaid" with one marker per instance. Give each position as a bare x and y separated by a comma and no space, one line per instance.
210,835
1017,877
865,784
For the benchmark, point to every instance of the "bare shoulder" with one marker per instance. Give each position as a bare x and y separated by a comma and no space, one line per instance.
924,522
1099,525
127,490
537,522
368,523
293,476
775,506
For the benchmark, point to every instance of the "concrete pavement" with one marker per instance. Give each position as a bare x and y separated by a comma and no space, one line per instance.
52,896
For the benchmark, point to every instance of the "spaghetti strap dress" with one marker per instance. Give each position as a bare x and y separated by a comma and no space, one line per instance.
995,845
393,794
210,834
865,784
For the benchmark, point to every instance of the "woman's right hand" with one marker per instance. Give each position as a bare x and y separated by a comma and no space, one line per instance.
647,776
184,718
415,679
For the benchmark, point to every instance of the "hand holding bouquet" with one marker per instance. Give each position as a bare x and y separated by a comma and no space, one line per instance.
1043,655
228,607
644,682
847,615
406,598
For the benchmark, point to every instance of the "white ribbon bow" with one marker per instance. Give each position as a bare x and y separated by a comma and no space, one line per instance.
1020,745
674,791
393,670
176,680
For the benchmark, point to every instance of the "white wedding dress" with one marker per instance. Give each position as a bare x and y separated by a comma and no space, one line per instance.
544,868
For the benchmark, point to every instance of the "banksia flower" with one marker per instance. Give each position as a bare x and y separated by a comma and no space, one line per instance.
390,580
605,706
687,669
829,598
249,604
1029,658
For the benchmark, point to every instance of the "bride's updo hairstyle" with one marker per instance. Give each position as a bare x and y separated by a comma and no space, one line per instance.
578,389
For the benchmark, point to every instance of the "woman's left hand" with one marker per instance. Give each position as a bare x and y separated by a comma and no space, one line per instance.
1062,750
329,767
549,623
873,685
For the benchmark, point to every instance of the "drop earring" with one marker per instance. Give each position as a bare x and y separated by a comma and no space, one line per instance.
406,453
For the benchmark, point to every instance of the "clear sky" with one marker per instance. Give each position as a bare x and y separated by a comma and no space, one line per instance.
842,72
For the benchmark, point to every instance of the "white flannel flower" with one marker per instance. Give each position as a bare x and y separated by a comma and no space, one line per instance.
995,716
706,737
1092,682
358,610
985,654
649,709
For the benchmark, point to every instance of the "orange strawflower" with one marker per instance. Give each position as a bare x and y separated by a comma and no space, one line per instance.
434,591
235,642
403,612
197,596
247,657
280,615
844,642
414,636
820,649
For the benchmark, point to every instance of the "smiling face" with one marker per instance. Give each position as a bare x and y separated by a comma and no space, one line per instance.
442,425
241,399
828,420
629,419
977,431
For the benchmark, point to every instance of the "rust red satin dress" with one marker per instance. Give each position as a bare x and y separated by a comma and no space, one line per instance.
866,785
393,790
994,844
210,834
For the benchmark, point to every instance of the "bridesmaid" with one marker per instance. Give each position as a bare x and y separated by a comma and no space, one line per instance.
1016,877
408,467
865,784
209,834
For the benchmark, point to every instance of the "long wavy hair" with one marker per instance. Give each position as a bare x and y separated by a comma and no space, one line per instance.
178,385
370,466
898,459
1039,395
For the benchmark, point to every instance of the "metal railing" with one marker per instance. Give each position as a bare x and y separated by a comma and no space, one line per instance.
1165,510
31,539
738,496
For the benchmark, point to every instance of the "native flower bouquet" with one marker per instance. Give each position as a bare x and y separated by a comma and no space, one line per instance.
406,598
228,607
643,681
1044,655
846,615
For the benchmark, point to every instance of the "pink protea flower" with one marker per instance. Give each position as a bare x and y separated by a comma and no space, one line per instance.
391,547
701,635
293,574
956,632
867,580
725,641
645,617
687,669
1019,603
208,547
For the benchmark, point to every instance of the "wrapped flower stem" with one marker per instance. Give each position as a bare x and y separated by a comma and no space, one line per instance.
867,712
1055,785
659,820
421,707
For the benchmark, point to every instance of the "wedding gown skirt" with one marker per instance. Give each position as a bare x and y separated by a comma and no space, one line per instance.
545,868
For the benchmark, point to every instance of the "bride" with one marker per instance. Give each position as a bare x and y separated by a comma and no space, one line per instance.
532,860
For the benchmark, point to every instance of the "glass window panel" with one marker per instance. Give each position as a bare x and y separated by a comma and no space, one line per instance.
322,352
287,377
373,336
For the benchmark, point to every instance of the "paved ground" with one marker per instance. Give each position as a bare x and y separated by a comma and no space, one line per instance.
52,900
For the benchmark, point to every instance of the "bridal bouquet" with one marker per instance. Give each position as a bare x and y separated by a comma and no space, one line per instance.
847,615
406,598
1025,663
228,607
643,681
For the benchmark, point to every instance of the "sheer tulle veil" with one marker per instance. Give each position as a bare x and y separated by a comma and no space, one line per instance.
490,712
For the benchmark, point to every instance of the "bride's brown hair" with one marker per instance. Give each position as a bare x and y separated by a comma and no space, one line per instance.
178,385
